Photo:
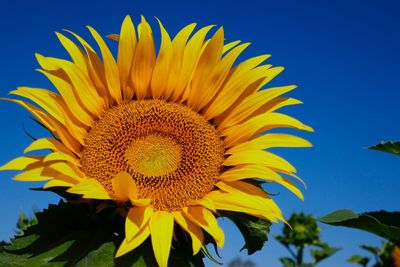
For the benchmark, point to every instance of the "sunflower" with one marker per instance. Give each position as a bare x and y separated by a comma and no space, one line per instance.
173,136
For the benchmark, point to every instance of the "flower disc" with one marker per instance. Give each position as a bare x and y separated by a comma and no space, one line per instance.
173,154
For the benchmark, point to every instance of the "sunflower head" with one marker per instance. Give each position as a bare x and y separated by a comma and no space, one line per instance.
171,137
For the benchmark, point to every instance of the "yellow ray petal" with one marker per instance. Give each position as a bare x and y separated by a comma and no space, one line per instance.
126,51
74,51
33,175
161,228
143,62
178,47
229,46
254,102
206,220
57,183
137,218
124,187
259,172
48,143
60,156
205,203
126,246
190,58
110,67
161,70
259,157
241,202
274,105
193,229
51,124
240,81
267,75
22,163
244,131
68,169
270,140
207,61
95,69
71,98
213,82
90,188
89,97
55,106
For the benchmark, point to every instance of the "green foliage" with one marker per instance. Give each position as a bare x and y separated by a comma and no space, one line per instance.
389,147
383,256
24,222
382,223
74,234
363,261
303,233
254,230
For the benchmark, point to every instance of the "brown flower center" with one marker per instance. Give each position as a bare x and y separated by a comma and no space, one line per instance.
173,154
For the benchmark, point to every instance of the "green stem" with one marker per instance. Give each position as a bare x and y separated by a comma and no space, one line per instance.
299,257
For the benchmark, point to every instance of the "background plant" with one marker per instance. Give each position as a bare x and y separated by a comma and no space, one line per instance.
302,233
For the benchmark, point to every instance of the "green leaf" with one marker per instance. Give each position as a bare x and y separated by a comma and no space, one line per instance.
363,261
382,223
288,262
73,234
325,252
389,147
254,230
372,249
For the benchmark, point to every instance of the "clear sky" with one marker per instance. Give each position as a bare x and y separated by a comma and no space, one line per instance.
343,55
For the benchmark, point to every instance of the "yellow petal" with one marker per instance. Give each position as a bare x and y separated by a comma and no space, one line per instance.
90,188
205,203
270,140
33,175
143,62
245,203
110,67
259,172
229,46
124,187
161,228
51,124
137,218
71,98
193,229
142,202
68,169
206,220
55,106
74,51
259,157
254,102
161,70
126,51
264,74
60,156
207,61
244,131
48,143
95,69
22,163
190,58
126,246
57,183
179,45
215,79
89,97
239,82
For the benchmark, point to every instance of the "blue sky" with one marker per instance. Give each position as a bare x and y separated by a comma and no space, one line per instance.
343,55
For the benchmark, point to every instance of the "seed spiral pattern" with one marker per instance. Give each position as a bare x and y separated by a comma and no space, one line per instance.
173,154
